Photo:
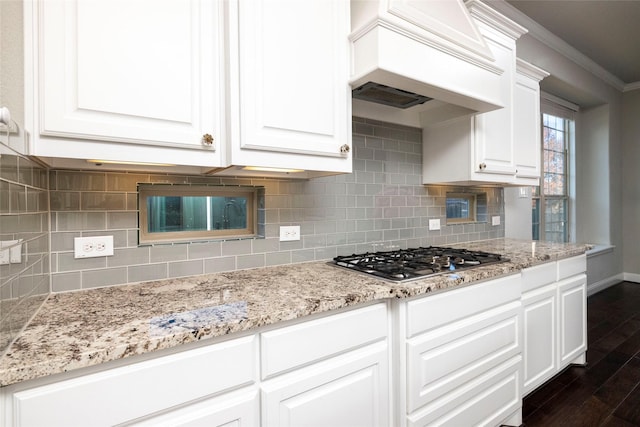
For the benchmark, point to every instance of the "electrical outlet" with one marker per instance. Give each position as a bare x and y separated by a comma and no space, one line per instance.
289,233
94,246
495,220
13,252
434,224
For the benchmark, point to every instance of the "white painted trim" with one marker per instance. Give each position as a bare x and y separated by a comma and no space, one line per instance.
631,86
601,285
546,37
600,250
530,70
632,277
557,100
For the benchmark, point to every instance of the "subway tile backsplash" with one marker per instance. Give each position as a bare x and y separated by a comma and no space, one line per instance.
24,220
381,203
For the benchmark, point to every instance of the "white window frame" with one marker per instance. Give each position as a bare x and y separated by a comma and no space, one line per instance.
559,107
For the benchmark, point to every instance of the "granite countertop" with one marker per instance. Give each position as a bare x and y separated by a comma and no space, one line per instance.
84,328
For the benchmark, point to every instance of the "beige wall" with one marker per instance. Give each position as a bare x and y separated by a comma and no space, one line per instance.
631,183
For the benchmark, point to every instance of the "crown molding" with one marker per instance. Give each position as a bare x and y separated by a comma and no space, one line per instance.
631,86
530,70
546,37
489,16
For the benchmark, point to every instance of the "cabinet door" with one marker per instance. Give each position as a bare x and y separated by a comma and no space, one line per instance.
572,317
294,97
350,390
137,71
494,130
526,123
540,324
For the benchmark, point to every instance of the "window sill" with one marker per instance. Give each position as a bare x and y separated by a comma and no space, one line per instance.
600,250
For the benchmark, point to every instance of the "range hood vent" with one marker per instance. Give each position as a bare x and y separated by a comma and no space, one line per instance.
432,48
386,95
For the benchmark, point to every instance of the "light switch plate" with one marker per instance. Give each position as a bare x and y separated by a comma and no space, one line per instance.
434,224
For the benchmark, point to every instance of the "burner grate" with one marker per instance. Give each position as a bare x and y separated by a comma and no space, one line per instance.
416,263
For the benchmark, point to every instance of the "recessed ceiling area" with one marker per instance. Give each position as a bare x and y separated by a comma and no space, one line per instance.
606,31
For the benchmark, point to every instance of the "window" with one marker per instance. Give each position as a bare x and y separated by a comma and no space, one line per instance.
551,200
461,207
170,213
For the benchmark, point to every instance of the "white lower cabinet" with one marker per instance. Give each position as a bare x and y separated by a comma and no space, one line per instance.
128,393
464,367
460,357
349,390
554,300
332,371
572,320
485,401
540,325
237,408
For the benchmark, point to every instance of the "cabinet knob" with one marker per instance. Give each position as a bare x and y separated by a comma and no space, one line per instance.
207,139
345,149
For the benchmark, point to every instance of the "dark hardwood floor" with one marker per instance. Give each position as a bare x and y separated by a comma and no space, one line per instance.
607,391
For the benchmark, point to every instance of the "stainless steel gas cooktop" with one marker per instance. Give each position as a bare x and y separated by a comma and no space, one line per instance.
416,263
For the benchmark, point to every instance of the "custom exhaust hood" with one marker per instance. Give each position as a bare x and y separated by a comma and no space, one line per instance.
417,62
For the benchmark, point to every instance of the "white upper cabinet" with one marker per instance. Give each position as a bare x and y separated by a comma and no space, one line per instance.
526,123
479,148
200,83
493,131
290,99
145,73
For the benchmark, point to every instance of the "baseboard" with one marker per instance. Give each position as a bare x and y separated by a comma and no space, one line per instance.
605,283
632,277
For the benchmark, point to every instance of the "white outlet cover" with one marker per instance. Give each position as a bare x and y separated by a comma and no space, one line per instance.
495,220
434,224
11,255
289,233
93,246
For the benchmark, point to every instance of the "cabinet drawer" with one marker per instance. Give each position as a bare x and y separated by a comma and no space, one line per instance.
240,407
487,400
287,348
447,358
538,276
572,266
435,310
345,391
139,389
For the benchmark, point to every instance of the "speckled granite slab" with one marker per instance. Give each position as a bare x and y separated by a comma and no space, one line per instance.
84,328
